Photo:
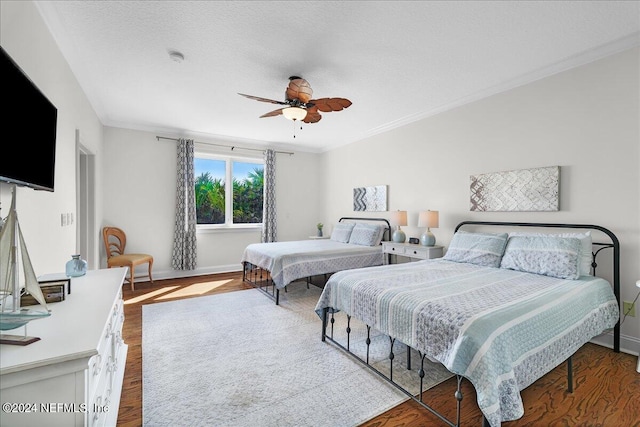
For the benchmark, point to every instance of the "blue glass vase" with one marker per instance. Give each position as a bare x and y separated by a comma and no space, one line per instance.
76,266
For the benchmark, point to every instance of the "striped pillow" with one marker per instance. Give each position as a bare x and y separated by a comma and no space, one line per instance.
547,255
483,249
342,231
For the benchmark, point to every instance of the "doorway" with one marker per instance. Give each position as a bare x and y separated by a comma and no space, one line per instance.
86,240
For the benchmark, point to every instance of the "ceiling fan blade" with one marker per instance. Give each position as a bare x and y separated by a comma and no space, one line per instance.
257,98
298,89
312,117
272,113
331,104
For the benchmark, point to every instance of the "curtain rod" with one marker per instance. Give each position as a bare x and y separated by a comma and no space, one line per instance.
232,147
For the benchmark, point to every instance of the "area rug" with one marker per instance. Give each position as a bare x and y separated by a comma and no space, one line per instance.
237,359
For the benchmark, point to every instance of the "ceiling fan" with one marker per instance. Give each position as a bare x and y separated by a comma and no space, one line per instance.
299,105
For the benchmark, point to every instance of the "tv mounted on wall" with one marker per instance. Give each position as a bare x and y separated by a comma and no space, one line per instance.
29,131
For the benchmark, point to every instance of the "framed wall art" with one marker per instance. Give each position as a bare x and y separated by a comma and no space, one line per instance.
370,199
522,190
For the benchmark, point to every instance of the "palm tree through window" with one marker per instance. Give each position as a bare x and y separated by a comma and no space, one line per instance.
228,191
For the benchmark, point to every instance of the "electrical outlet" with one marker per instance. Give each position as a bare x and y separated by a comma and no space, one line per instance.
628,309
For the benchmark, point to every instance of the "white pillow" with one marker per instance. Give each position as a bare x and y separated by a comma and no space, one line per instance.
547,255
366,234
585,247
341,232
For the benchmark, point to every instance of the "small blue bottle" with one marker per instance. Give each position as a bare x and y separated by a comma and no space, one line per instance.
76,266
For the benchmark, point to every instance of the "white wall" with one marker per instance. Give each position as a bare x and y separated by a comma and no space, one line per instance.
139,197
585,120
25,37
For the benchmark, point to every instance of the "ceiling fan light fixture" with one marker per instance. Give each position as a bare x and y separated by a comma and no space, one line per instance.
294,113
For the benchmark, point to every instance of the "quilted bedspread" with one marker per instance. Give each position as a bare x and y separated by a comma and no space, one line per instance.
289,261
501,329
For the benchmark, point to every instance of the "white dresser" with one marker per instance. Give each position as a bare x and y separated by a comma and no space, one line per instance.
73,375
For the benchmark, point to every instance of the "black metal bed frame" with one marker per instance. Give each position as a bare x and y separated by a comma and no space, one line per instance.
260,278
615,245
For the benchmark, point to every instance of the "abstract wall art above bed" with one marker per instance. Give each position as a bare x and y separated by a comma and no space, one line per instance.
370,199
523,190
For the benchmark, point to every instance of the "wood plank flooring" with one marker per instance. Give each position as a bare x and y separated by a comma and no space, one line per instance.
606,384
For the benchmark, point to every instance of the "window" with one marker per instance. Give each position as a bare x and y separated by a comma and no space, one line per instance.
228,190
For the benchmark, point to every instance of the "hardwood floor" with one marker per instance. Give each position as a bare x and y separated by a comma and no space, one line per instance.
606,384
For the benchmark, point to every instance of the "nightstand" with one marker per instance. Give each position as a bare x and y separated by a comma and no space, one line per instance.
410,250
319,237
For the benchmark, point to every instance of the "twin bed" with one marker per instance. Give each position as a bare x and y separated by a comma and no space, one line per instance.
499,309
354,243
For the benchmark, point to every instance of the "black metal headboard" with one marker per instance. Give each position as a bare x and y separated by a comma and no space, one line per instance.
387,230
615,244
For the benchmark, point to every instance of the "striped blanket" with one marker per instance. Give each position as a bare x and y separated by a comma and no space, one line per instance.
500,329
293,260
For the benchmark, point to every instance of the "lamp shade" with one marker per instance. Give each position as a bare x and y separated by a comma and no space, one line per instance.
294,113
428,219
398,218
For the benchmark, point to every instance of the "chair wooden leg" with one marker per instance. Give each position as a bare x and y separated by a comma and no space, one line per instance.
150,265
131,272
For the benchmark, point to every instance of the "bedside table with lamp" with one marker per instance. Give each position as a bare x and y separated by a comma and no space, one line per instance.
427,249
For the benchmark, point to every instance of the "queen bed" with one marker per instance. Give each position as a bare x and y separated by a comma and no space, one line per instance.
354,243
499,309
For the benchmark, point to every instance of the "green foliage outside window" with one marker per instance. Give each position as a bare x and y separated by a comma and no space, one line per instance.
247,198
210,197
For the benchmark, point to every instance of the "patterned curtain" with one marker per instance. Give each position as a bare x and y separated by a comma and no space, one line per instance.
184,240
269,229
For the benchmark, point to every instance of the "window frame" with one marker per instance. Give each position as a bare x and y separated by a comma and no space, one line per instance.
228,187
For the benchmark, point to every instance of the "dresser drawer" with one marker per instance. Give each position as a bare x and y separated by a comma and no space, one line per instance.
99,403
417,252
117,316
393,248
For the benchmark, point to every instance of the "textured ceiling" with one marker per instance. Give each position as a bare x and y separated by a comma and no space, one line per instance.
396,61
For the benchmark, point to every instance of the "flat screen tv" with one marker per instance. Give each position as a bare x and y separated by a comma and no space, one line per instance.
29,123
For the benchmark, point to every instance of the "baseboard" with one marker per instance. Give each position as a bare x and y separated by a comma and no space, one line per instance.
628,344
177,274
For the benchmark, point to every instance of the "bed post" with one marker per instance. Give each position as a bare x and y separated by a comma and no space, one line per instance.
616,286
324,323
570,375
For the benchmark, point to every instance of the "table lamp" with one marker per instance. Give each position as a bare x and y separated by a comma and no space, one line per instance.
398,218
428,219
